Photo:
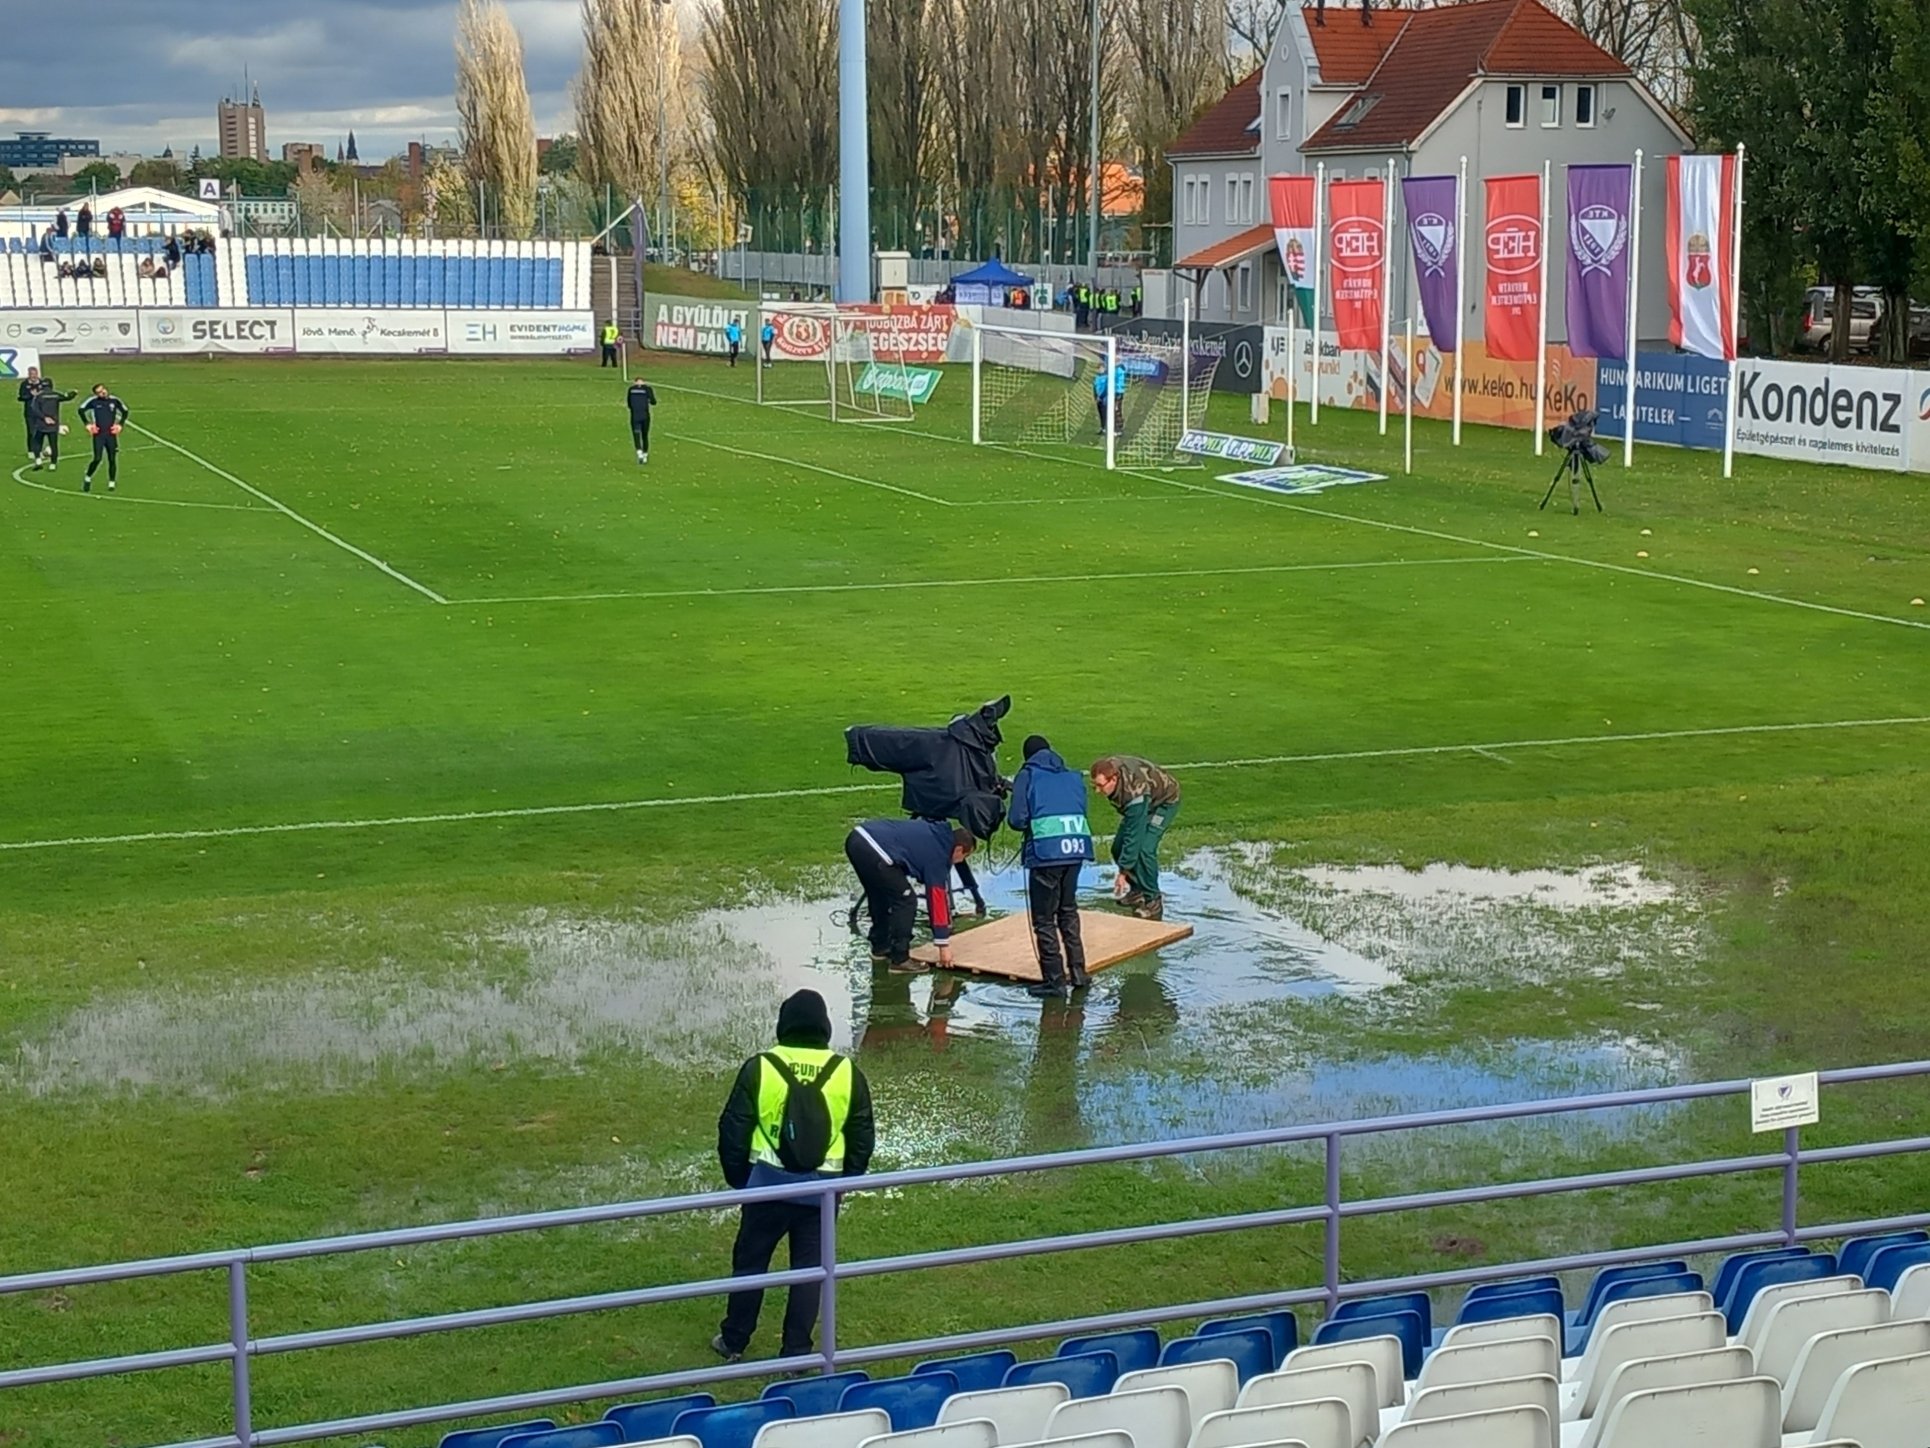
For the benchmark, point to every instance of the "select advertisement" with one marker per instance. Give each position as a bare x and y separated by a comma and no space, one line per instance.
218,329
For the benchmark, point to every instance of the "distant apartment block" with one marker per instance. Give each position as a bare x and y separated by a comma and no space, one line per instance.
243,127
42,151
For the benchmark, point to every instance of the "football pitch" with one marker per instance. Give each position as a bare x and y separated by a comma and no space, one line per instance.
368,675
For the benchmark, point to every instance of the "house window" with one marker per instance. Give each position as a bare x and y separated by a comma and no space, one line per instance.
1246,198
1232,197
1517,104
1283,114
1584,105
1244,277
1551,105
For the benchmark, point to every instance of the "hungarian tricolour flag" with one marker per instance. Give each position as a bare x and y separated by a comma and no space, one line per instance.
1701,238
1291,199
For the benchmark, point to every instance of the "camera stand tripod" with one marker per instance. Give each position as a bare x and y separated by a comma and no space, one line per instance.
1579,470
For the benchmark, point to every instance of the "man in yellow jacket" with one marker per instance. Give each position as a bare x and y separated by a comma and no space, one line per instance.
798,1112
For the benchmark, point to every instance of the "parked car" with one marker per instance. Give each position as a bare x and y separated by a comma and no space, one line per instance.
1819,318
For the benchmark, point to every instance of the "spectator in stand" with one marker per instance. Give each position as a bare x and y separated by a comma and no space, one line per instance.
147,268
66,269
47,244
117,223
99,269
84,220
60,222
172,251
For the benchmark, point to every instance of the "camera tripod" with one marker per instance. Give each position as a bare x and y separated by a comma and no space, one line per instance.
1579,471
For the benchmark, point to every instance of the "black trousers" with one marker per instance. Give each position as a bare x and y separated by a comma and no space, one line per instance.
609,356
888,896
760,1227
47,441
733,354
106,445
1052,892
30,435
640,434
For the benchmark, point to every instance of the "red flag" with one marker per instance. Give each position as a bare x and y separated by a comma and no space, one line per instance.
1701,244
1357,250
1512,316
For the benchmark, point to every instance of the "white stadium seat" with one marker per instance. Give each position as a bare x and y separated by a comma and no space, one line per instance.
1323,1424
1113,1438
957,1433
1383,1354
1510,1358
1740,1414
1911,1296
825,1430
1211,1387
1353,1383
1020,1413
1661,1337
1460,1400
1770,1298
1156,1417
1639,1309
1827,1356
1795,1321
1647,1375
1509,1428
1882,1404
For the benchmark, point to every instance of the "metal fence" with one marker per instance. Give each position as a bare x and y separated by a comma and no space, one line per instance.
240,1347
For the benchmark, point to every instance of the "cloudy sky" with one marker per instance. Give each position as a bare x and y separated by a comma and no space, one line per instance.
143,74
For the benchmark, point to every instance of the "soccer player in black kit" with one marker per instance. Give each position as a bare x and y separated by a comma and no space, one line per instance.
43,417
103,413
641,399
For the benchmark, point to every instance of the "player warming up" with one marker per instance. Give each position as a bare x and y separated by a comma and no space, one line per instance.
104,413
43,415
641,398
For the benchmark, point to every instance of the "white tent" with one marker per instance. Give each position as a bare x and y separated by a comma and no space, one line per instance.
148,208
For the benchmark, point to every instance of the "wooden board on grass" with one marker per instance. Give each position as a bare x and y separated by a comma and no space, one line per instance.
1003,947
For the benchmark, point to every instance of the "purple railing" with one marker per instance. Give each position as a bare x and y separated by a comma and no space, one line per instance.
241,1347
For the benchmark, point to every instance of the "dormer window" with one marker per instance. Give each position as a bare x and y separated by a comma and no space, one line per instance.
1357,112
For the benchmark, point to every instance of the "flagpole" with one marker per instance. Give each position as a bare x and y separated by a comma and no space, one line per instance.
1460,288
1634,280
1386,286
1293,360
1541,332
1735,324
1319,249
1407,406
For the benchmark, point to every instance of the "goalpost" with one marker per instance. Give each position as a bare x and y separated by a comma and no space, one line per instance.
1063,388
832,360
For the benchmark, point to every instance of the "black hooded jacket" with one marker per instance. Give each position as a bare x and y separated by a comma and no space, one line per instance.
802,1020
949,774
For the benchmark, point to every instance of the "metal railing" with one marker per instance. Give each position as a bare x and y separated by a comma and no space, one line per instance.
241,1347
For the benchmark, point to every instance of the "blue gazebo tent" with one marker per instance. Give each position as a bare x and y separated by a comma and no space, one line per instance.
989,285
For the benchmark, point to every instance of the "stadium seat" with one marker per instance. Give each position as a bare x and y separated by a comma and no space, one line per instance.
1882,1404
1633,1290
1888,1264
1547,1282
1085,1376
1512,1358
975,1372
820,1394
1499,1305
1788,1328
1404,1325
1211,1387
1911,1295
1250,1351
1382,1354
961,1433
1418,1303
1524,1427
731,1425
911,1402
1354,1384
493,1437
1767,1300
1856,1251
1755,1276
1456,1400
1132,1350
1827,1356
1156,1417
1647,1375
1639,1309
654,1419
1322,1424
1739,1414
1736,1261
600,1434
1020,1413
1632,1342
1111,1439
1502,1329
1608,1277
823,1430
1284,1327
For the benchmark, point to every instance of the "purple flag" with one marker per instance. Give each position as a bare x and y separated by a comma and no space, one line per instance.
1599,200
1431,236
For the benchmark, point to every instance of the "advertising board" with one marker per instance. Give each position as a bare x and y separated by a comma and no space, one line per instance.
1818,413
377,331
551,334
692,324
217,329
1679,398
73,331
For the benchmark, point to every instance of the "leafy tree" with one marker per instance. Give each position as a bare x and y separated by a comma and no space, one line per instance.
8,181
560,159
98,176
164,175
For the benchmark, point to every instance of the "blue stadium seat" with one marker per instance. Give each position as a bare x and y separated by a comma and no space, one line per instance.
1757,1275
1630,1287
1283,1326
1406,1326
464,280
526,283
1546,1283
1888,1264
201,280
1088,1375
1609,1276
392,295
1250,1349
1732,1264
811,1396
910,1402
1857,1251
358,280
601,1434
553,297
1417,1303
257,288
301,288
285,279
731,1425
1497,1306
491,1437
642,1422
1133,1350
975,1372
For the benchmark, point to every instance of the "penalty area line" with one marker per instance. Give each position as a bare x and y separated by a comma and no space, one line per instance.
280,507
1485,748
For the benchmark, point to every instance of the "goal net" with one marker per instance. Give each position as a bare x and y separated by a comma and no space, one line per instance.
832,361
1062,388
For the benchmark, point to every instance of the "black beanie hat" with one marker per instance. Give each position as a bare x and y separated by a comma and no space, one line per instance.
1034,744
804,1020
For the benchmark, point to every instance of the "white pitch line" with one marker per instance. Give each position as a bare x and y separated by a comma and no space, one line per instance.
912,583
282,508
743,452
106,497
821,791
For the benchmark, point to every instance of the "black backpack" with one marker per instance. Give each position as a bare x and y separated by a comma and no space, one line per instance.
804,1132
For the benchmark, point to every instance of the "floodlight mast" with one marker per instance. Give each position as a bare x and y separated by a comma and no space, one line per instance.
854,158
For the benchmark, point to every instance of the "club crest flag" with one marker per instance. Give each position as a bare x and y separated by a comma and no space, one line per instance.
1430,202
1291,199
1601,201
1701,242
1511,314
1357,251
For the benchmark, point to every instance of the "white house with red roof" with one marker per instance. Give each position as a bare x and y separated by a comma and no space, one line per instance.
1506,83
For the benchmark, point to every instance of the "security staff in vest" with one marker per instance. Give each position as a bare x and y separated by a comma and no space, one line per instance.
1049,808
610,337
799,1112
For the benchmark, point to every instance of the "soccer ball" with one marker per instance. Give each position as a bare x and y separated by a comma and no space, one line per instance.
63,429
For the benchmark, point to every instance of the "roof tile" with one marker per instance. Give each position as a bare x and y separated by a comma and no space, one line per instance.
1227,127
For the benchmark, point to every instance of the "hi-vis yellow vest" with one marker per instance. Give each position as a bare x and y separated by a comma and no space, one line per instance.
611,335
805,1063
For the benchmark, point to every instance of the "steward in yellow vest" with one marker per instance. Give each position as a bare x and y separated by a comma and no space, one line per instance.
797,1112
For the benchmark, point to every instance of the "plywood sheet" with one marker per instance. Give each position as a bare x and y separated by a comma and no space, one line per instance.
1003,947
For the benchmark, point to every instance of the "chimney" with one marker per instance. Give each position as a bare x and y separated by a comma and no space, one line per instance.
1366,12
1320,13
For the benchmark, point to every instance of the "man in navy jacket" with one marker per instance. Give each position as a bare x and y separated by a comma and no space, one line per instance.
1049,808
888,855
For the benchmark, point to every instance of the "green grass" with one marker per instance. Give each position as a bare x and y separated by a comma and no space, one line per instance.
680,281
708,626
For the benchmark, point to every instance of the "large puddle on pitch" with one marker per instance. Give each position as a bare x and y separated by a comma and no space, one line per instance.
1306,993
